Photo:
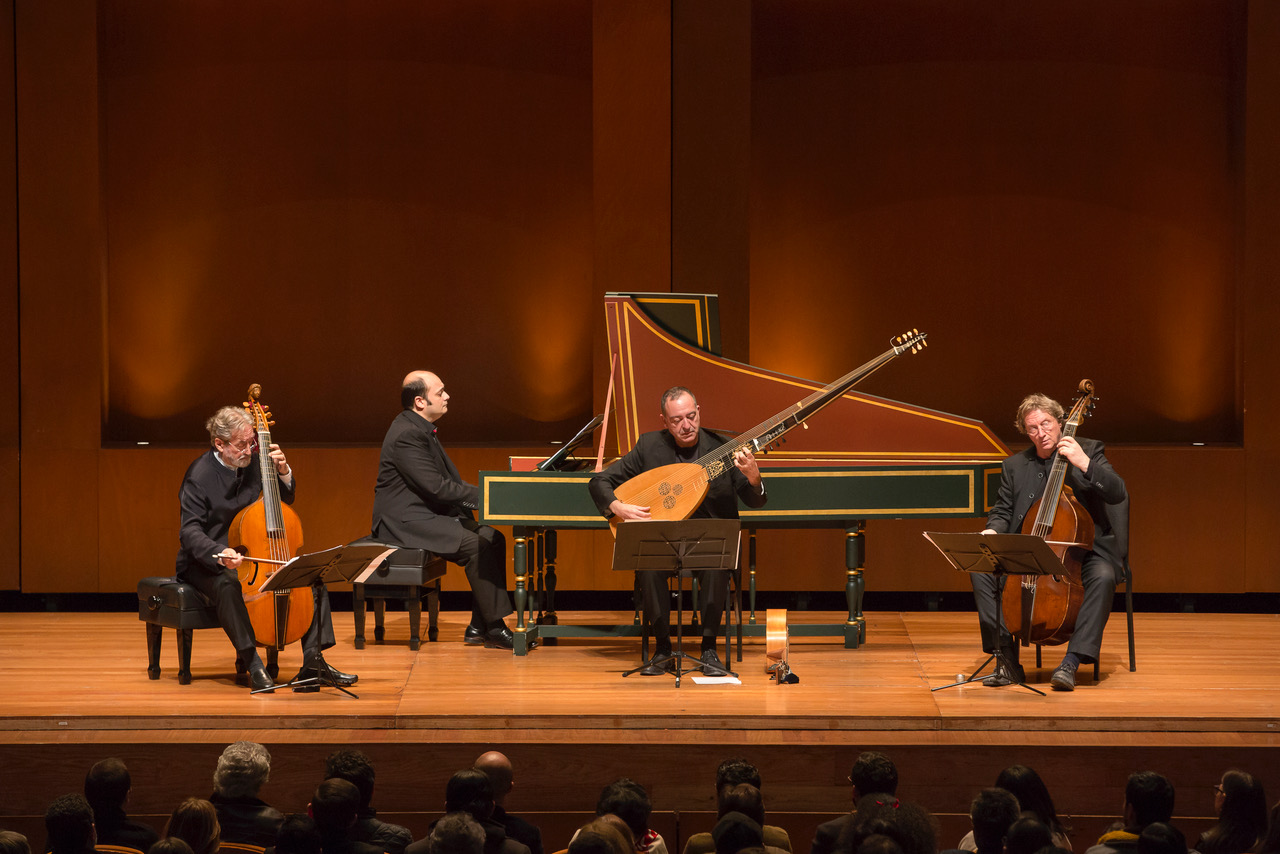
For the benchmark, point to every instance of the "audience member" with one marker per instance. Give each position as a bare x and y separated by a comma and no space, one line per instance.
991,813
243,769
878,843
456,833
69,825
1027,835
746,799
298,834
195,822
872,772
736,831
106,788
1241,805
12,842
335,806
1161,838
629,801
606,834
356,768
170,845
1271,842
1033,796
471,792
498,769
1148,798
910,827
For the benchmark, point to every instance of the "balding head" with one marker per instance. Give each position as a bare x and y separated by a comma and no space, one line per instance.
497,768
422,392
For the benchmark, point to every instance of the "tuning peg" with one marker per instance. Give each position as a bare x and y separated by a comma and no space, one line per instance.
271,423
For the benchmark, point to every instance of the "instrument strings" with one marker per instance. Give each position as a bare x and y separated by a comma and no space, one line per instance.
276,535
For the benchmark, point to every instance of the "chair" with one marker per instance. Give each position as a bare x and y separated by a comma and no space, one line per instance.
168,603
1118,516
104,848
406,575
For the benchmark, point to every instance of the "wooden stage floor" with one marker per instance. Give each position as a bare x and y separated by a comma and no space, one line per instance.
80,674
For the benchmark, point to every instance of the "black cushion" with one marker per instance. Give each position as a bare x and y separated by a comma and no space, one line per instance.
174,604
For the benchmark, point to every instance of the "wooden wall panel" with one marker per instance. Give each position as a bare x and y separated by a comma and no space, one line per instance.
60,252
10,387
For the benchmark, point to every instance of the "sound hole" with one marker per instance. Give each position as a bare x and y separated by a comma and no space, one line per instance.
664,488
669,502
678,488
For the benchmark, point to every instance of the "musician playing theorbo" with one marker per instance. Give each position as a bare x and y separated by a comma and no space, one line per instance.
1022,482
681,441
219,484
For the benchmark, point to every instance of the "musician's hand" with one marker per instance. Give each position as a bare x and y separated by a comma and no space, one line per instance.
1070,449
282,467
746,463
989,531
629,512
230,558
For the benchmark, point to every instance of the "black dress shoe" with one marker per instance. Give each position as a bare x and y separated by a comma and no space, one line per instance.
499,638
1064,678
1011,675
473,635
661,663
259,680
711,665
326,675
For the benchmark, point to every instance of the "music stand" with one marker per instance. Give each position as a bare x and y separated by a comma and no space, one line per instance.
1000,555
340,563
681,547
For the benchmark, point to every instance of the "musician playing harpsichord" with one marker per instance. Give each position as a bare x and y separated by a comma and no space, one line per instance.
682,441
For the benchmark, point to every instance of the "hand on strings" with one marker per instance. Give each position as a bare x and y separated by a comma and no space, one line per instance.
629,512
277,457
1071,451
746,463
230,558
986,531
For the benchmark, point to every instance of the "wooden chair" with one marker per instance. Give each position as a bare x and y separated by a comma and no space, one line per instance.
1118,516
104,848
240,848
167,603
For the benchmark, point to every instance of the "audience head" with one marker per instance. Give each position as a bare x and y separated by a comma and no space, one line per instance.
242,770
195,822
1242,815
733,772
497,768
1271,843
354,767
469,791
12,842
335,807
606,834
1031,792
992,811
169,845
878,843
107,785
910,827
1161,838
298,834
1148,797
69,824
456,833
736,831
628,800
873,772
1027,835
745,799
624,829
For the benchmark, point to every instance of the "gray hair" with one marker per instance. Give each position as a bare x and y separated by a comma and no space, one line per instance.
674,392
242,770
224,423
456,833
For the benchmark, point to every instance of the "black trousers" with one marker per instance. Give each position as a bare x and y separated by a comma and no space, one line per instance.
713,587
1098,576
483,556
223,590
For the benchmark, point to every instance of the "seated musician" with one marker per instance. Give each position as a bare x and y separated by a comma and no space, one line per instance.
682,441
1023,479
219,484
421,502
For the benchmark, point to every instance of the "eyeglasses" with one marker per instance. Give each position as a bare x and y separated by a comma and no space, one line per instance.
1217,787
1042,427
248,445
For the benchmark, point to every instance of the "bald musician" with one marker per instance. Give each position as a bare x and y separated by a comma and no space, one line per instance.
421,502
220,483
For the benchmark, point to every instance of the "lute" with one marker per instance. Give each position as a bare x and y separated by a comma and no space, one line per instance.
673,492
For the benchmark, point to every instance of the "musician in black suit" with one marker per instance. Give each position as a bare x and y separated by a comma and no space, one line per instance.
420,501
1022,481
682,441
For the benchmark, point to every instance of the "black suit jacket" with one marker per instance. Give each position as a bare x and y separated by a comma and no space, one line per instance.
420,500
1021,485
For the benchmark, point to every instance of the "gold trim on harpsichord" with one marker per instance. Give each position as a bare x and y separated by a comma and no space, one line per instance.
506,519
857,512
697,303
633,310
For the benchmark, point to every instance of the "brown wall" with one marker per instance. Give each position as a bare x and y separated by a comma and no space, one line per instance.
319,202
